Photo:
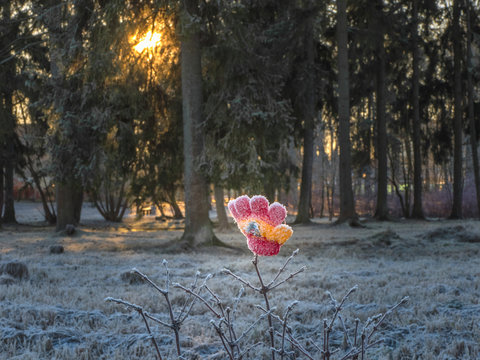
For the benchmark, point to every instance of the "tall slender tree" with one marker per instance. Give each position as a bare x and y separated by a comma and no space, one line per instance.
471,110
417,211
198,228
70,143
457,118
381,212
8,119
303,215
220,207
1,183
347,205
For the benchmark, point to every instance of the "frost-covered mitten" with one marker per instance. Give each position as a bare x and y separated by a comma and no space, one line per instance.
261,223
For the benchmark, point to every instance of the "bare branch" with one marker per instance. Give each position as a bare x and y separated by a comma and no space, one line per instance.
205,302
147,279
339,307
285,318
167,275
244,282
236,301
251,347
123,302
151,317
222,337
139,309
297,345
349,342
252,326
302,269
389,311
280,271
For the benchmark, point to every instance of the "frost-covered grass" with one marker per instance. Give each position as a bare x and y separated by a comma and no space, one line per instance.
60,312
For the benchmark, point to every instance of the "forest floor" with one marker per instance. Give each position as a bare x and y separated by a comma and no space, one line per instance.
59,311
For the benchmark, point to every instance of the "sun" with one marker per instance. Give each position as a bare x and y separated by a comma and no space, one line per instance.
149,41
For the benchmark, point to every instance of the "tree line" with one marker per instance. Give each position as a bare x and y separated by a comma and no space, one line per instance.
125,101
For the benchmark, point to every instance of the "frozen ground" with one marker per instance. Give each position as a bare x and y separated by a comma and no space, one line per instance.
59,312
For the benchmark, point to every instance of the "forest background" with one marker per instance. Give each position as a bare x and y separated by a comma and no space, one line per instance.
336,109
355,111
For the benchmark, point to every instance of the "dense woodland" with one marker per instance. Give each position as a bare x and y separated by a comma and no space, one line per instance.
336,108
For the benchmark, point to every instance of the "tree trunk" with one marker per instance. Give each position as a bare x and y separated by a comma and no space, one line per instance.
177,213
66,206
322,196
9,204
347,205
303,215
220,206
457,120
1,184
471,114
198,228
77,195
50,215
407,175
332,171
417,211
9,201
381,212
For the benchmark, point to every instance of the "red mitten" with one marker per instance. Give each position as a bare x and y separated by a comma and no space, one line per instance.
261,223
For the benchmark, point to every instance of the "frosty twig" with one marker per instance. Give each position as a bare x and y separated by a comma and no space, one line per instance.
264,289
139,309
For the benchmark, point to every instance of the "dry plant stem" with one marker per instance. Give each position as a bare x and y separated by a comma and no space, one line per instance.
157,320
175,324
151,335
349,342
285,319
229,339
389,311
287,334
243,353
357,321
325,342
264,291
205,302
294,342
222,338
232,340
355,352
282,269
244,282
302,269
363,346
328,329
366,339
139,309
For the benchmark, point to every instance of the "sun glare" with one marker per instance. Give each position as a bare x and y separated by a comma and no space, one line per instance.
149,41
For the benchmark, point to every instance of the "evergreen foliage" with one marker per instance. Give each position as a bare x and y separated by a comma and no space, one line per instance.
86,108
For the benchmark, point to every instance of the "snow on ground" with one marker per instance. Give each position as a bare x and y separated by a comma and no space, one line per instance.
59,312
